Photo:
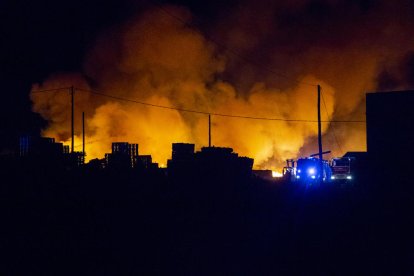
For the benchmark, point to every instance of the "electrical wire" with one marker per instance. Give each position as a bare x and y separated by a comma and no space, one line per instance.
198,111
50,90
208,113
93,142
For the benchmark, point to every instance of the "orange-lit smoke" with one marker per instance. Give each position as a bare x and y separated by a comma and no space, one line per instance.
160,60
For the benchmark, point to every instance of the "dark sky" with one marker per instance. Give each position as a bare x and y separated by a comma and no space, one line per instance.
42,37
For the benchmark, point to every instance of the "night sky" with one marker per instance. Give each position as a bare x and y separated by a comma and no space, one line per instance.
294,38
39,38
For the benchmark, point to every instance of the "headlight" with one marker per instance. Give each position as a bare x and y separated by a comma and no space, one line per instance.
332,177
349,177
311,171
313,177
298,176
299,171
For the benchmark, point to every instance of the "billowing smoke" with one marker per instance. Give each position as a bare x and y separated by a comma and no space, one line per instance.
158,59
398,76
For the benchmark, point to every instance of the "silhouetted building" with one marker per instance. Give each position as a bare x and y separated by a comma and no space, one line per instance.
263,174
45,151
210,162
220,162
182,161
30,146
182,151
390,136
123,155
144,162
390,128
96,164
75,159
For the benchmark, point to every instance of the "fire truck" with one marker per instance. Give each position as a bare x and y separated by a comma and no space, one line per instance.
289,171
341,169
311,169
307,170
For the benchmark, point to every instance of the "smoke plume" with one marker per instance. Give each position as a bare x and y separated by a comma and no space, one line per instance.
345,46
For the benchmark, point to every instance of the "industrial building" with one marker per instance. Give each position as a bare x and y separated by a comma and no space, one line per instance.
182,161
390,136
123,155
45,151
144,162
222,162
210,162
40,146
182,151
390,128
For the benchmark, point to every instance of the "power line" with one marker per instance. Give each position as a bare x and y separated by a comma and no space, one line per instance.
208,113
227,49
50,90
93,142
197,111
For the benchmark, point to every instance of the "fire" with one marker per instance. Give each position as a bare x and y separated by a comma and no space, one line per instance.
276,174
159,60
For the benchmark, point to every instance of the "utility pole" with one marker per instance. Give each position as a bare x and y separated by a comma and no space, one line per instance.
209,130
83,133
72,92
319,132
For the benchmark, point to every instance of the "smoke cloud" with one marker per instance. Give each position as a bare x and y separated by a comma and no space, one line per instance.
345,46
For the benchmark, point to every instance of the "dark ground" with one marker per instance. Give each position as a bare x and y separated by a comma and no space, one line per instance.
119,223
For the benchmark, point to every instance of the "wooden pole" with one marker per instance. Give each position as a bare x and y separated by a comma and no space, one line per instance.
72,92
319,133
83,133
209,130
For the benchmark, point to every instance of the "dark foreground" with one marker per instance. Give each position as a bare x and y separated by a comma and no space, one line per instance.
114,223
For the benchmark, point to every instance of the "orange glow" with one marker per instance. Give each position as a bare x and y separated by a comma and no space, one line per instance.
159,60
276,174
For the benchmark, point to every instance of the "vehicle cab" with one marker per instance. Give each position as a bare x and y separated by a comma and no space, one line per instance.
341,169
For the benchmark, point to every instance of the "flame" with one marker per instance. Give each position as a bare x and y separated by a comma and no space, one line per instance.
276,174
